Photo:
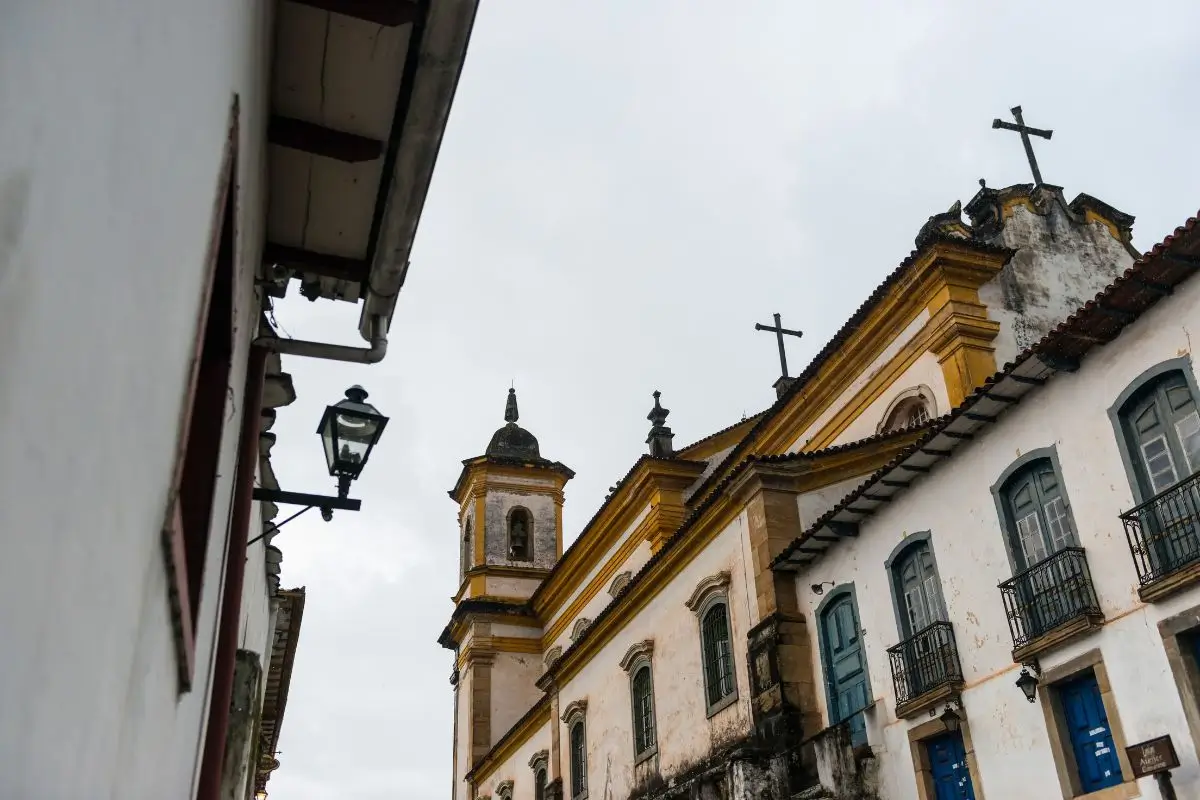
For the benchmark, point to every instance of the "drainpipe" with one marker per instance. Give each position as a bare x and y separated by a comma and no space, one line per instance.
334,352
229,622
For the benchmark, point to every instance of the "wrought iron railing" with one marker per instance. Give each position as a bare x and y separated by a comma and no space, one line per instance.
926,660
1164,532
1052,592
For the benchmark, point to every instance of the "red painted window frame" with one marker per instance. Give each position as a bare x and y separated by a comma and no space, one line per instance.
189,518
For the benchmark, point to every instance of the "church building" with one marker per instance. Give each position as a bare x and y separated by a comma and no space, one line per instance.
958,557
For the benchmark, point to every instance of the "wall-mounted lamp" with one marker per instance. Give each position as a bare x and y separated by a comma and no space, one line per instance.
1028,683
349,431
819,588
951,718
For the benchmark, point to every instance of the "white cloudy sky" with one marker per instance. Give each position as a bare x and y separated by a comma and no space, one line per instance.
624,189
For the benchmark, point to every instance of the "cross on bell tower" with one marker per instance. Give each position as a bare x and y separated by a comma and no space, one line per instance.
1025,132
784,381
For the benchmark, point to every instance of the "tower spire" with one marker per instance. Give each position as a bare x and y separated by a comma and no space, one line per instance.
510,408
660,435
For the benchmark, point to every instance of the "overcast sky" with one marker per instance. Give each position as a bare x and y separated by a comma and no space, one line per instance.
624,189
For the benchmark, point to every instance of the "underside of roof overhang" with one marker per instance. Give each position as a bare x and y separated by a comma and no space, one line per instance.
360,94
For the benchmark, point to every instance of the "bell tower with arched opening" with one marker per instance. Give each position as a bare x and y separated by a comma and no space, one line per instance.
509,538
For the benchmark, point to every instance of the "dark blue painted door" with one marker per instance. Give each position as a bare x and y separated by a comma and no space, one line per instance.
948,764
845,665
1091,738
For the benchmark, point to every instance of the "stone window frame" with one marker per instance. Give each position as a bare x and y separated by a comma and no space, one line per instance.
540,761
1184,668
710,591
1017,465
579,628
508,521
504,790
1056,728
576,714
552,655
912,540
1181,364
619,583
917,735
920,392
639,656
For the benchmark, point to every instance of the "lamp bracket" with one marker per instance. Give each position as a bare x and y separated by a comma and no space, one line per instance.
301,499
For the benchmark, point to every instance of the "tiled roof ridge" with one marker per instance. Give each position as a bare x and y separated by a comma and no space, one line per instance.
1096,307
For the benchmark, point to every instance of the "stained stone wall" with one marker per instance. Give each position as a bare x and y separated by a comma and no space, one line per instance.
544,535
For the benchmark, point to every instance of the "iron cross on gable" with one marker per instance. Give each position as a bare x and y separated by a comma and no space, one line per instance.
1025,131
779,331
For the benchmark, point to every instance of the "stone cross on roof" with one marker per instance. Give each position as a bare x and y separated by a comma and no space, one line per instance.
1025,131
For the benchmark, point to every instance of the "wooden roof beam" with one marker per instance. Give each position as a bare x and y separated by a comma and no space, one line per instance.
388,13
340,268
319,140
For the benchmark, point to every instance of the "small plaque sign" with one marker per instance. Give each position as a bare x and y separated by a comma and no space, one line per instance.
1151,757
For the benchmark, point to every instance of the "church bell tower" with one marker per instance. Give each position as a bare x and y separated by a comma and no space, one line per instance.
509,538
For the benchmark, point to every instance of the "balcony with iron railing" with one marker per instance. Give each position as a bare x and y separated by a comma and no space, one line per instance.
925,669
1164,539
1050,602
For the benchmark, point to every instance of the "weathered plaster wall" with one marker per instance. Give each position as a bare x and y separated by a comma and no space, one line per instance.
684,734
517,768
103,238
513,689
545,527
815,503
955,503
1059,265
511,586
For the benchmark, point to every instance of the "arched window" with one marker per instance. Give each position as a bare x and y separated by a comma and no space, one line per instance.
710,603
1162,432
917,588
908,413
1037,518
520,535
717,652
578,745
644,737
467,547
504,791
539,783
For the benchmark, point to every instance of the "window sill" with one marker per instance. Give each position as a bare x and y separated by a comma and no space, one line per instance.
1171,583
645,755
929,699
722,704
1056,636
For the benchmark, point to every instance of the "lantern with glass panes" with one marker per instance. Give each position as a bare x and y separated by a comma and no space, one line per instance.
349,431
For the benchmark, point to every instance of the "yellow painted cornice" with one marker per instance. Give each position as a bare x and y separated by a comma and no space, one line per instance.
475,582
479,474
653,482
945,274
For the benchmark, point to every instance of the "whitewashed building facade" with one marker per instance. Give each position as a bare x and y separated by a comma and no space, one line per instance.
679,648
167,169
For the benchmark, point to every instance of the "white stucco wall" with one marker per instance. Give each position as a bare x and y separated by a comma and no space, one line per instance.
115,120
514,689
684,734
955,504
517,768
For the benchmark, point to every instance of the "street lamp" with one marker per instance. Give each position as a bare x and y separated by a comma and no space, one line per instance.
951,719
1027,684
349,431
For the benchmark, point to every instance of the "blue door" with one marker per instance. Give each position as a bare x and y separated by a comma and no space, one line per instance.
948,764
1091,738
845,664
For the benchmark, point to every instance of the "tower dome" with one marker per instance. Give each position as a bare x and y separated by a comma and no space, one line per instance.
513,441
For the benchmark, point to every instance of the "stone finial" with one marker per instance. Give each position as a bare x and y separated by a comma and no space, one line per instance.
510,408
660,435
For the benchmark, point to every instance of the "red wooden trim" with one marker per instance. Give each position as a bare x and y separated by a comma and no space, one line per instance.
229,625
183,609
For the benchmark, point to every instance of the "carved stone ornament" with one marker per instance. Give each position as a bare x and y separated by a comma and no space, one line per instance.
713,584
